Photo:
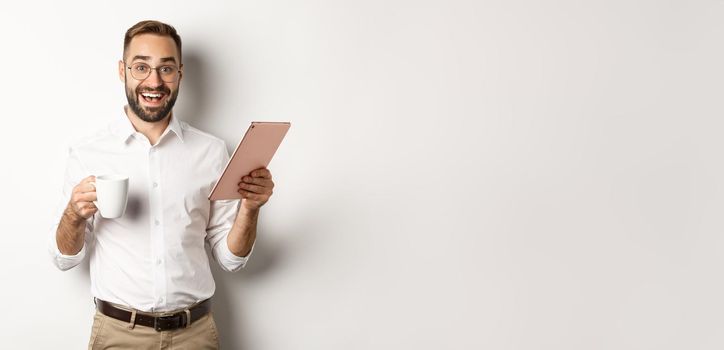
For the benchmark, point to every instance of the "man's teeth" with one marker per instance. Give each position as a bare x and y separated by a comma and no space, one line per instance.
150,95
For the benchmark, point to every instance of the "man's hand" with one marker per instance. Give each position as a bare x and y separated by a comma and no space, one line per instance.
71,230
81,201
256,188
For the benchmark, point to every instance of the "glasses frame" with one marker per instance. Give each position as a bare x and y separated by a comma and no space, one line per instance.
151,69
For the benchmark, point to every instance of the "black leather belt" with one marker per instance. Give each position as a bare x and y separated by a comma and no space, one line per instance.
159,323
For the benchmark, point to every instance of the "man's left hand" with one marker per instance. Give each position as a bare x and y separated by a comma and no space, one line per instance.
256,188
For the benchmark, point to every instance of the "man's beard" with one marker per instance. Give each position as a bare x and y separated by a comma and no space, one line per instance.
152,114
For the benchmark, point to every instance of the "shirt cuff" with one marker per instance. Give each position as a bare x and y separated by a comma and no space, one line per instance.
231,261
66,262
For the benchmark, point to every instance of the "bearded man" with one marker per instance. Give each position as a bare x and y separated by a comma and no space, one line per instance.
149,271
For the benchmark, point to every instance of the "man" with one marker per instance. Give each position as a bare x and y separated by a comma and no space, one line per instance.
150,274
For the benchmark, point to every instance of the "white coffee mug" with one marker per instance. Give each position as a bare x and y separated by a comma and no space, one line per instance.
112,193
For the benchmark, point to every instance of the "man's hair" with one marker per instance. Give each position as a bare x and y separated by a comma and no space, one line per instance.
152,27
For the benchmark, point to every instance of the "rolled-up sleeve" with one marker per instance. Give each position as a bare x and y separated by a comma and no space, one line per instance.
223,213
221,219
74,173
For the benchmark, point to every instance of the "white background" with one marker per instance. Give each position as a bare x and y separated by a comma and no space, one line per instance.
458,175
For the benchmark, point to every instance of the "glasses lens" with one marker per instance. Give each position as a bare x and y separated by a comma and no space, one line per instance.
140,71
168,74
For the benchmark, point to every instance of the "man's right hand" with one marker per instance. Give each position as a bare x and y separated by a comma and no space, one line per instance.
81,201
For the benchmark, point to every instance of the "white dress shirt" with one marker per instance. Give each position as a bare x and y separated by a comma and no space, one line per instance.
153,258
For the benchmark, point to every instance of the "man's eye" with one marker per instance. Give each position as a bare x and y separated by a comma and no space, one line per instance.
141,68
166,69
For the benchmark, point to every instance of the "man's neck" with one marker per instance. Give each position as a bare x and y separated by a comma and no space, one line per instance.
152,131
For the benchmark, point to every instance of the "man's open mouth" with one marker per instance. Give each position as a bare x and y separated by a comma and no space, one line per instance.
153,98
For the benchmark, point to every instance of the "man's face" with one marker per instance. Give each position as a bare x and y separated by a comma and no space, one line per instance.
152,98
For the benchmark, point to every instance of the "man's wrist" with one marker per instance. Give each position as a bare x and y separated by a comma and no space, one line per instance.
72,216
249,213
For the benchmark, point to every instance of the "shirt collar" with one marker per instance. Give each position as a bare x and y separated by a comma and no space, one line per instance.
123,128
175,126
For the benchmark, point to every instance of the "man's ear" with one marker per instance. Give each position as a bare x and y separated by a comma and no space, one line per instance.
181,72
121,70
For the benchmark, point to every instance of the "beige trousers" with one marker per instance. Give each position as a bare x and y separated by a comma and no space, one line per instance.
109,333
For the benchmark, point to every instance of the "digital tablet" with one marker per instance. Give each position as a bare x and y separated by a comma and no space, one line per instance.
255,150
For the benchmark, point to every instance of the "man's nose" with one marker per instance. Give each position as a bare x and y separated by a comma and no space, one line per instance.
154,78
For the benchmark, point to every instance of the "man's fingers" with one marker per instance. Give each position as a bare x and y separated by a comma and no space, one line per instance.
255,188
81,200
86,188
88,210
262,172
86,206
84,197
257,181
253,196
88,180
85,209
88,197
86,185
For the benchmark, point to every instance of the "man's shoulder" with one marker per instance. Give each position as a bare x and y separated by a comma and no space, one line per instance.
100,136
198,135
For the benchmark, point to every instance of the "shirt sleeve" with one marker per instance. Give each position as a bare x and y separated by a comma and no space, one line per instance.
74,173
221,219
223,213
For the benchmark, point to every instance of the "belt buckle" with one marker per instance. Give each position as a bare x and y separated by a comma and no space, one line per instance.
169,321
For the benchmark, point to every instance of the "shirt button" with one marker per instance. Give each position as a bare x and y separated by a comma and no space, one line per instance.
157,222
155,185
158,262
160,300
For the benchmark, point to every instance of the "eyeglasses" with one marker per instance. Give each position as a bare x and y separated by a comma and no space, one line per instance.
141,71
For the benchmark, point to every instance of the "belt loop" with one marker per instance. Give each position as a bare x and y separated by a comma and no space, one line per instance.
188,317
132,323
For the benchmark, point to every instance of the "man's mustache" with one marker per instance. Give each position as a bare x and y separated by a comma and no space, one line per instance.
162,89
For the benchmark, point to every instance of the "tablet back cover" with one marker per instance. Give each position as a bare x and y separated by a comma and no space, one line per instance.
255,150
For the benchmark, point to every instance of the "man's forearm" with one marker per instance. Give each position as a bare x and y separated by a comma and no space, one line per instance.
243,232
70,233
